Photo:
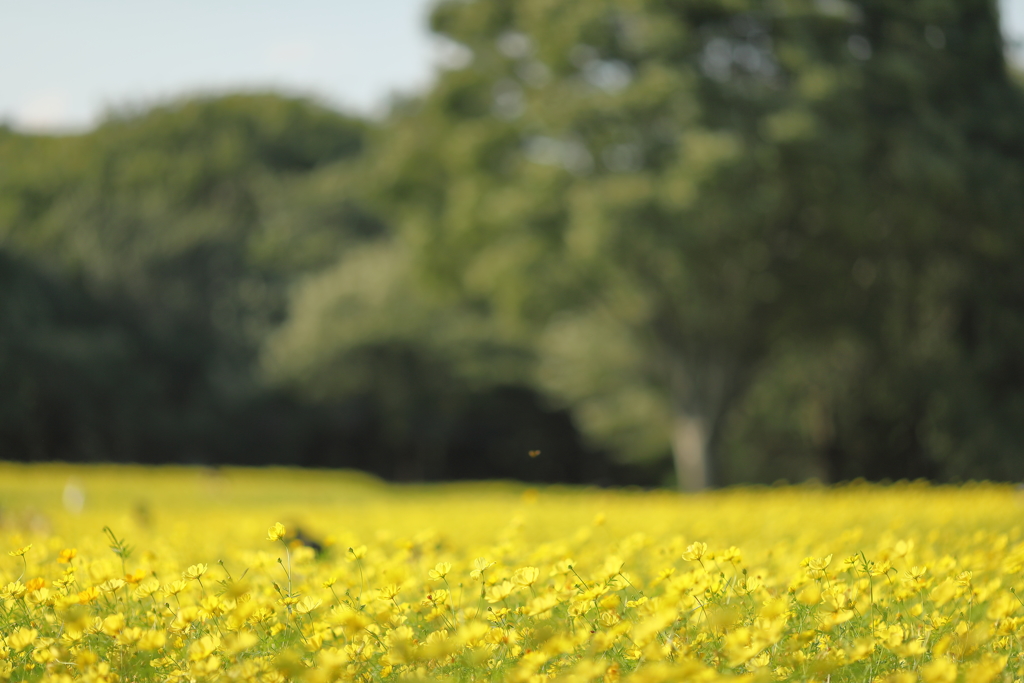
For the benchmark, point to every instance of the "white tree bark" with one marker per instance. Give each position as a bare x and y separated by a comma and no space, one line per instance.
700,394
690,439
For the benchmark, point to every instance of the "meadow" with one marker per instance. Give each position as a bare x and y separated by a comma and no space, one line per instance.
191,574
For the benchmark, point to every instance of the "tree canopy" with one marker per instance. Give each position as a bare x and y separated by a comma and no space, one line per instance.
672,198
145,266
728,239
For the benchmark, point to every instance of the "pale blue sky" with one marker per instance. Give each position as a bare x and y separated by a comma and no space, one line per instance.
63,62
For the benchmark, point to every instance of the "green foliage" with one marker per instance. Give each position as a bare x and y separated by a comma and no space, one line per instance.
673,198
445,382
146,264
164,266
771,240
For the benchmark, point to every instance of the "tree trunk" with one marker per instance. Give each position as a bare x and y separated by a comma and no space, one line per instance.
690,440
701,393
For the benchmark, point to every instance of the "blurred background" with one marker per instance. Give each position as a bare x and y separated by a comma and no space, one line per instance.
619,242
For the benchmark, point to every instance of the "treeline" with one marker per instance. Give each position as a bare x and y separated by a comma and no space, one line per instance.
146,265
720,241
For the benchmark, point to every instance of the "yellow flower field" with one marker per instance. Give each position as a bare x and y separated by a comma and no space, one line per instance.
178,574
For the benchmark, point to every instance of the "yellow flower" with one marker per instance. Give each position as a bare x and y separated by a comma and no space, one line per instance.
818,563
695,551
146,587
541,604
480,565
903,548
525,576
22,638
941,670
111,585
203,648
440,571
13,590
563,567
276,532
65,556
113,624
612,566
66,580
915,574
732,554
240,642
194,572
879,568
985,670
389,591
152,640
129,635
308,604
40,596
20,551
136,576
810,595
44,654
499,592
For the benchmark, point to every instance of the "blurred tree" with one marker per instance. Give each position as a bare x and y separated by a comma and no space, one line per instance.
62,357
442,379
770,239
183,226
150,260
182,209
665,195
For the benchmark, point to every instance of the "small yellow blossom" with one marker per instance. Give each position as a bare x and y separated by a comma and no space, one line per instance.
152,640
480,565
818,563
440,571
22,638
146,587
941,670
113,624
204,647
695,551
389,591
112,585
525,576
88,595
308,604
13,590
194,572
500,591
135,577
